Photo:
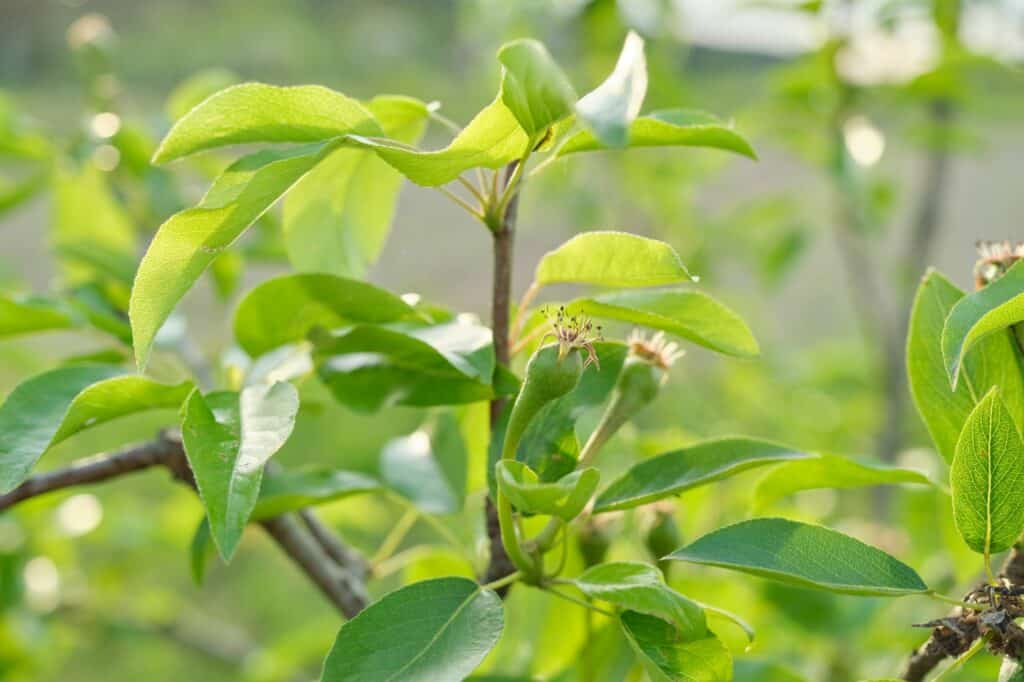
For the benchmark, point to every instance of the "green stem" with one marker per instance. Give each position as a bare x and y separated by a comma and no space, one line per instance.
955,602
395,537
579,602
510,539
501,582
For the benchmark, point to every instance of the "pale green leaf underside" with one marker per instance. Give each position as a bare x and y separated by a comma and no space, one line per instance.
640,587
692,315
992,362
679,470
338,216
228,439
533,86
804,555
669,128
829,471
431,631
611,107
256,112
987,478
991,309
612,259
564,498
284,309
190,240
668,658
50,407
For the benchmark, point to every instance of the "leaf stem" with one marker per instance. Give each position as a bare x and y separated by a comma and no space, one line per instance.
954,601
520,316
579,602
472,189
502,582
462,203
395,537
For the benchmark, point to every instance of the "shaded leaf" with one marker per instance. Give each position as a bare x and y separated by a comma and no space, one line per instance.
533,86
987,478
639,587
228,439
199,551
829,471
666,656
669,128
692,315
611,108
805,555
437,631
256,112
991,309
288,491
50,407
189,241
679,470
338,216
284,309
27,315
564,498
428,467
368,367
612,259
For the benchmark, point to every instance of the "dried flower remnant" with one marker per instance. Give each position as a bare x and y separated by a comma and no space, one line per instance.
657,350
994,259
573,332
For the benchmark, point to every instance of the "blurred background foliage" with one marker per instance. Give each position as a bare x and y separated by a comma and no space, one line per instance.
890,136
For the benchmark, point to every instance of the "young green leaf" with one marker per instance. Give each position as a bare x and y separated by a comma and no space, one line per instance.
639,587
805,555
668,658
284,309
679,470
611,108
829,471
228,438
428,467
564,498
28,315
436,630
987,478
337,217
367,367
692,315
993,362
533,86
289,491
491,140
991,309
189,241
669,128
612,259
199,551
53,406
256,112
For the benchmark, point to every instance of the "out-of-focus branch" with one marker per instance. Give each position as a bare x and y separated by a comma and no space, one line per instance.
336,569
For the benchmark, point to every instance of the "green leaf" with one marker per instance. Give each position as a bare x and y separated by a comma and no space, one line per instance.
829,471
612,259
368,367
564,498
611,108
991,309
804,555
53,406
639,587
436,631
196,88
293,490
993,362
255,112
92,233
666,657
189,241
669,128
337,218
533,86
692,315
27,315
199,551
987,478
228,438
491,140
284,309
428,467
679,470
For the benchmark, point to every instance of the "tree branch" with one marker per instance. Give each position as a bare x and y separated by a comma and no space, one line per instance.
336,569
501,293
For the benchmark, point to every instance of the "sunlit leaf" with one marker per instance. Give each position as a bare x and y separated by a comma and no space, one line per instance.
533,86
640,587
611,108
27,315
612,259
